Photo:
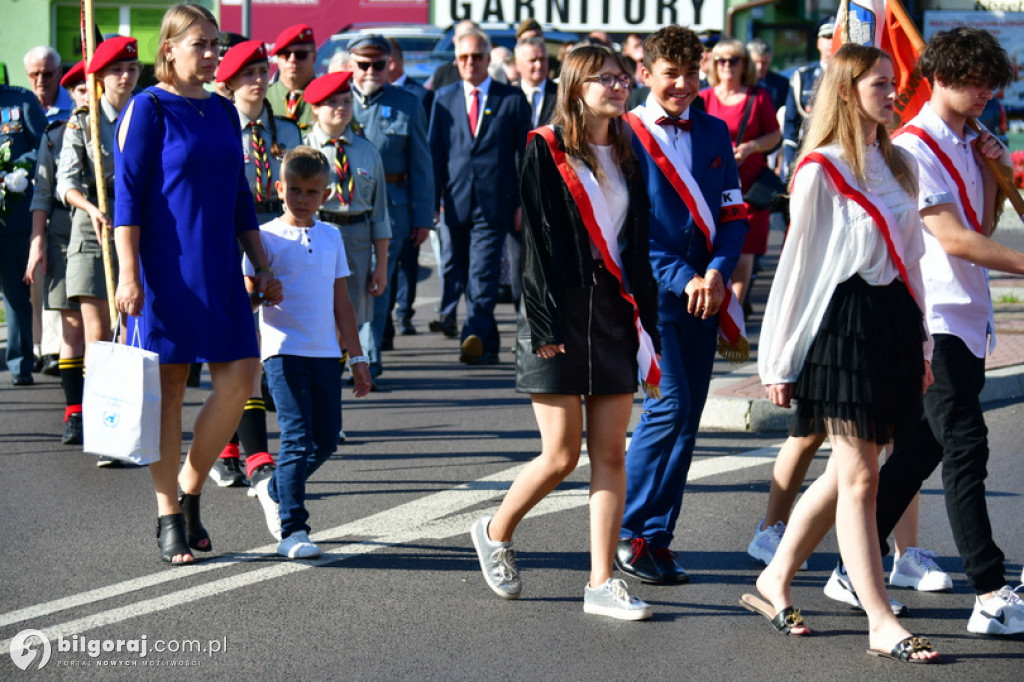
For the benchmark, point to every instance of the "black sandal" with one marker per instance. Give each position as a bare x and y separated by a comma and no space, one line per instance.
905,648
197,536
170,538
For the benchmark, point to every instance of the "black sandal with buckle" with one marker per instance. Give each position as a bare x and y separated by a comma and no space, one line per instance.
170,538
785,621
196,535
905,648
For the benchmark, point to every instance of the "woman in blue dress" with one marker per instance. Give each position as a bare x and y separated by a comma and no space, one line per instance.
182,206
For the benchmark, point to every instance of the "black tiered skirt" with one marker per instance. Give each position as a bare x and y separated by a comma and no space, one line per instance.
862,376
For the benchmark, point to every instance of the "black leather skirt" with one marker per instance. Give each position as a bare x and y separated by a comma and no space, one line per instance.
600,345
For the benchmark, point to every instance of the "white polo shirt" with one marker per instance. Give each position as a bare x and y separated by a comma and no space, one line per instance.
307,260
957,296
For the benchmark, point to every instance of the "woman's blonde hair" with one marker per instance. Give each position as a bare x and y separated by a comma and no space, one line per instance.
729,47
177,20
836,117
581,63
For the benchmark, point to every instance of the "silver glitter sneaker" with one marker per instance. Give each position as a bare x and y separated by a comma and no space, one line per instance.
611,599
497,561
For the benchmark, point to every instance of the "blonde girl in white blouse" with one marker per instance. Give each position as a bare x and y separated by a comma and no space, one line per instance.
844,335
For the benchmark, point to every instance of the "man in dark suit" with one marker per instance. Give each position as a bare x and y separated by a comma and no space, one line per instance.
478,130
776,84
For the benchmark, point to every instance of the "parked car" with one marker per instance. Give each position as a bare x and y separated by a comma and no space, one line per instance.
417,40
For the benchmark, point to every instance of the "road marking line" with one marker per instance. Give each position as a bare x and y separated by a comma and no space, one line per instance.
437,516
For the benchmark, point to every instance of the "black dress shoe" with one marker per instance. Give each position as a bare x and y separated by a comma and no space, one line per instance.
22,380
672,572
51,366
633,557
447,327
406,328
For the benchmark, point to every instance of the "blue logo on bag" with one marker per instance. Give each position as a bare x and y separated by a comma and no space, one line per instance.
111,419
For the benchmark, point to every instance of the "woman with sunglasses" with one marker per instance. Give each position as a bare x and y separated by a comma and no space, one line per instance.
182,207
589,309
747,109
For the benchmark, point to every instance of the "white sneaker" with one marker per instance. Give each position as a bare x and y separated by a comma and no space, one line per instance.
1002,614
271,512
298,546
917,569
497,561
766,542
841,589
611,599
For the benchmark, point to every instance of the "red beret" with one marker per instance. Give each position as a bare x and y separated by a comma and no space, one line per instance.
319,89
74,76
239,57
117,49
299,33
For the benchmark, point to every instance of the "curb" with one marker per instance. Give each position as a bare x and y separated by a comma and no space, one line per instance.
756,415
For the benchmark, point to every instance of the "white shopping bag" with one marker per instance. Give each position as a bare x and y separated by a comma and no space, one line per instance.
121,405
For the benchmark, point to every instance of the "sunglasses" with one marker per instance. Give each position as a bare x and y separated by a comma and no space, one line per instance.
377,64
477,56
300,55
731,61
42,74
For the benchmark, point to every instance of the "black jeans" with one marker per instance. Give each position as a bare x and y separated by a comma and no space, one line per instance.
951,431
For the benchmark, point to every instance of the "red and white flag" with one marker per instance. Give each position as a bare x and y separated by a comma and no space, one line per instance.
885,25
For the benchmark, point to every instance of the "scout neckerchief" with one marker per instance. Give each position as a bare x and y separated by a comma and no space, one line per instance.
593,210
291,104
950,167
842,179
260,161
343,187
732,342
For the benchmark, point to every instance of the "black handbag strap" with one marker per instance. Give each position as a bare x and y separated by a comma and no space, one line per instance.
746,116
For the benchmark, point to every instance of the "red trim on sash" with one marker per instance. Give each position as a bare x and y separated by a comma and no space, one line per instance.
670,173
947,163
652,373
855,195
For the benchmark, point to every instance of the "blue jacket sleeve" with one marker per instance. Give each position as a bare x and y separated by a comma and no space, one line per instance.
421,171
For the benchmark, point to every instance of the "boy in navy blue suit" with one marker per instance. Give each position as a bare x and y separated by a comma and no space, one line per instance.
697,225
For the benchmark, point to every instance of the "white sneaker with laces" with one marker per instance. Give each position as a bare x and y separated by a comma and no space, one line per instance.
916,568
766,542
1001,614
611,599
497,561
271,512
298,546
840,588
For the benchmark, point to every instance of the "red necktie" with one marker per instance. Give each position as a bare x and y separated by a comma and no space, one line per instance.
682,124
474,111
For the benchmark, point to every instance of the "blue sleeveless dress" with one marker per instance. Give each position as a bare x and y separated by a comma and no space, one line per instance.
180,176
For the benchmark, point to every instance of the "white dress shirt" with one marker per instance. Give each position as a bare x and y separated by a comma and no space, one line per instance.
680,138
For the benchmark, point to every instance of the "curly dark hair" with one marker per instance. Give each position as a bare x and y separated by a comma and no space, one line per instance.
673,43
965,55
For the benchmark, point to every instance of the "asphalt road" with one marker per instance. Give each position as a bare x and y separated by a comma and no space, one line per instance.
398,594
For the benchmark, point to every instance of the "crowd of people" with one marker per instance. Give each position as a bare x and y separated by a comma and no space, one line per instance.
614,193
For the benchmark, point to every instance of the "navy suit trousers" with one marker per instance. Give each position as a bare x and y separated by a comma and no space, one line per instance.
472,265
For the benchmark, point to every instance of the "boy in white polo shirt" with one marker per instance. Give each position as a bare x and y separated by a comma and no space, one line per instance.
957,201
299,345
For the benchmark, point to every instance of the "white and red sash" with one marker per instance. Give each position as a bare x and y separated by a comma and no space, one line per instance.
950,168
654,138
844,182
593,209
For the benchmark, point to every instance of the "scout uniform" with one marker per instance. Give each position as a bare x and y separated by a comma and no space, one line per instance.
358,203
290,103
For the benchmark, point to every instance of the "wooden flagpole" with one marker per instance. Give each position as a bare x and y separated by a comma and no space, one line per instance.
88,49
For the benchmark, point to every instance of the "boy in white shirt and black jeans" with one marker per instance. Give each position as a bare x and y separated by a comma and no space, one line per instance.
957,201
300,349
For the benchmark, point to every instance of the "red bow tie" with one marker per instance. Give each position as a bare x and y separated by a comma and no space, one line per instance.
682,124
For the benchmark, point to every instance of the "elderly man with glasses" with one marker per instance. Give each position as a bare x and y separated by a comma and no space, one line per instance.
42,66
295,50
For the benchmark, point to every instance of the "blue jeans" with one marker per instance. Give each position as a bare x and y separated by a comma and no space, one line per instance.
307,392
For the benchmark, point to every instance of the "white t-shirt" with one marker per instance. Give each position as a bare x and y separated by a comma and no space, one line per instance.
307,260
956,291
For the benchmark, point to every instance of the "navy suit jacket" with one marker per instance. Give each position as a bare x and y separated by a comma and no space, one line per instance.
678,247
483,170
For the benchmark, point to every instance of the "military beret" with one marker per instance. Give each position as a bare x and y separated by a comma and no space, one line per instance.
529,24
239,57
374,40
74,76
116,49
293,35
319,89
